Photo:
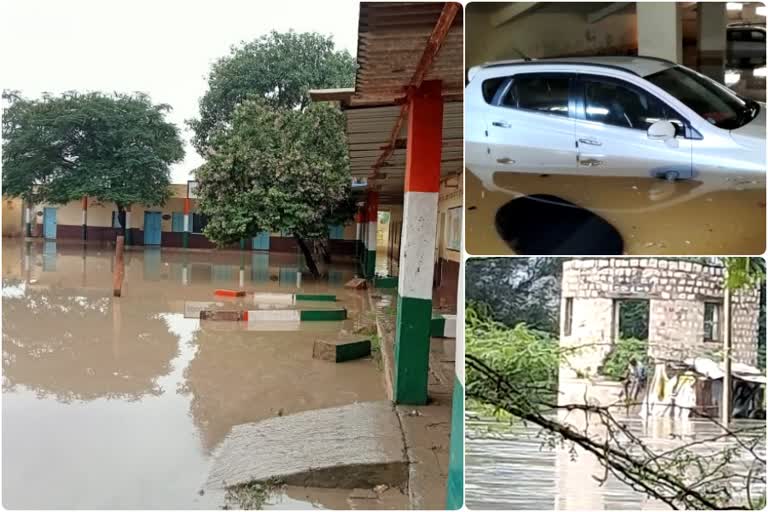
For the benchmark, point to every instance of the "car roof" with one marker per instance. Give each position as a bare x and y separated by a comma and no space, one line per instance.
642,66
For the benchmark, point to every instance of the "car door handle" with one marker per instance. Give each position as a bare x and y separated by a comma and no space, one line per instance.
591,142
505,160
501,124
590,162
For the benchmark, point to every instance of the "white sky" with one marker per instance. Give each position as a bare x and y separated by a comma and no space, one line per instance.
164,47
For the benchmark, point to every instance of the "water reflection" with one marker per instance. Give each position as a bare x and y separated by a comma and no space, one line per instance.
508,468
134,392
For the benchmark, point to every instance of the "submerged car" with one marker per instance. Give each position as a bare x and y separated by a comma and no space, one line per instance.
611,116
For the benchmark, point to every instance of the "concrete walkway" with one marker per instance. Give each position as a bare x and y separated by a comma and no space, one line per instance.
426,428
353,446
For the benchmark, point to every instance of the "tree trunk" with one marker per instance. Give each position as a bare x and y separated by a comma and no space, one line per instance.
119,267
326,253
308,256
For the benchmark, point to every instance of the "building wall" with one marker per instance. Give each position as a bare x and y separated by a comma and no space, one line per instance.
69,224
13,216
677,291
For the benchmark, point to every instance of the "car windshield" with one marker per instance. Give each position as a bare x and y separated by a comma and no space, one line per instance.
712,101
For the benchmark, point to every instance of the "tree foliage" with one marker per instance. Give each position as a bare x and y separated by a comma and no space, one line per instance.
279,68
112,148
518,290
276,169
616,362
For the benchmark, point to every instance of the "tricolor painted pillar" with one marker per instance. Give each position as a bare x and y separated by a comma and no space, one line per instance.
185,234
85,217
417,256
358,232
455,491
363,239
28,219
128,226
372,215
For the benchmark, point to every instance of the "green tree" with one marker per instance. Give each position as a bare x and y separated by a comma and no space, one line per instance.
112,148
279,68
276,169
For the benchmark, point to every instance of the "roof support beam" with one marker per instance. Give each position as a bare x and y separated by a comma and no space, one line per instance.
432,48
510,12
606,11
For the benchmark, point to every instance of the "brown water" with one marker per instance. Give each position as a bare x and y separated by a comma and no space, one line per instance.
119,403
508,468
653,216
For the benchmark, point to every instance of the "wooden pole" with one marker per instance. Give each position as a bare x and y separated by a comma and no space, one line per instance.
119,266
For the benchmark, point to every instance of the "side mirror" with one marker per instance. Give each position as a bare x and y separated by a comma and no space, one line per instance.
661,130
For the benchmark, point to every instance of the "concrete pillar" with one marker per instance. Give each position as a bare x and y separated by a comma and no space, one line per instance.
358,233
372,215
363,240
455,491
187,224
660,30
712,19
85,217
414,298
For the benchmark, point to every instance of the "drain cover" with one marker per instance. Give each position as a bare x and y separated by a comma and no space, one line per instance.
542,225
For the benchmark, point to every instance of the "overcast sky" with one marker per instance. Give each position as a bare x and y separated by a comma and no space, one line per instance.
162,47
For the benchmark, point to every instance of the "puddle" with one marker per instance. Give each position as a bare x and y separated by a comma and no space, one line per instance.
507,468
652,216
120,403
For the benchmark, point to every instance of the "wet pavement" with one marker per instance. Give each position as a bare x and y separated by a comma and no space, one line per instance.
652,216
508,468
120,403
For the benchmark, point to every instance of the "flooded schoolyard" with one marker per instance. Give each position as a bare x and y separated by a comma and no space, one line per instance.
120,403
652,216
507,466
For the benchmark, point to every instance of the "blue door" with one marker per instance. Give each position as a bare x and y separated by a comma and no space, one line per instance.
260,242
260,268
49,223
152,228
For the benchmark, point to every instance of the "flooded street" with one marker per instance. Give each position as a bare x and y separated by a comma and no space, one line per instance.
652,216
508,468
120,403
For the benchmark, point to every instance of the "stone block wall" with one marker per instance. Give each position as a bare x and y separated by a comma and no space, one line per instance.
677,291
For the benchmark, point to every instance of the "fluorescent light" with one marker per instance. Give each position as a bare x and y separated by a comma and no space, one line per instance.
734,6
760,72
761,11
732,77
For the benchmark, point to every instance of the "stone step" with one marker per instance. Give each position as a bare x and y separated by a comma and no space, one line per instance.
340,350
353,446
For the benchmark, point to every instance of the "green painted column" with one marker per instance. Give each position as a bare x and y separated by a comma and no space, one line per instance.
455,484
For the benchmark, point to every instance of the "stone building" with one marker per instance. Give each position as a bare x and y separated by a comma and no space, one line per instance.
685,308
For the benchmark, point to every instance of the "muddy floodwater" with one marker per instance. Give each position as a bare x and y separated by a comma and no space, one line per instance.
652,216
120,403
508,468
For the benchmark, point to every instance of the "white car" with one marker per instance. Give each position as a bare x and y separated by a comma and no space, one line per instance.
611,116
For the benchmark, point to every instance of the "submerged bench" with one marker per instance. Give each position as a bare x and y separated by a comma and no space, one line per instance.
338,350
443,326
274,315
292,298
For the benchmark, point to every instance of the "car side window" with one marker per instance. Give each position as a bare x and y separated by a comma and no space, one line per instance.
490,86
756,35
545,94
619,105
735,35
